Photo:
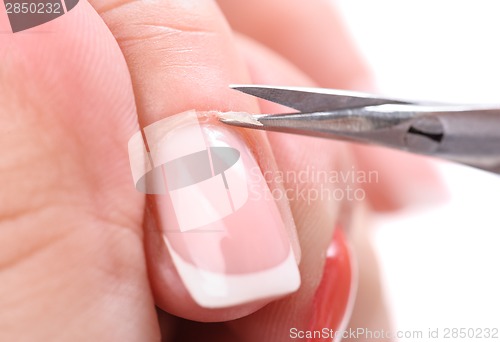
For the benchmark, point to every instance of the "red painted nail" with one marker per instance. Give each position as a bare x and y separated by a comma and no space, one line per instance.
335,294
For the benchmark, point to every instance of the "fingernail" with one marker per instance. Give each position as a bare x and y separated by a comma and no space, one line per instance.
334,297
220,222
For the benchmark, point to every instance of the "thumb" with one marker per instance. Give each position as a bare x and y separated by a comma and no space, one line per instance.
70,221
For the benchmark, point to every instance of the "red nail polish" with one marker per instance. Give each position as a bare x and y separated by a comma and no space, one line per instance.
335,294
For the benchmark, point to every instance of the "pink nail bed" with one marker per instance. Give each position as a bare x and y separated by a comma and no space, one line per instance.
220,222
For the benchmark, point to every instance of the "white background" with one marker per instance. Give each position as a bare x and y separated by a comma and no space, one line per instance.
439,263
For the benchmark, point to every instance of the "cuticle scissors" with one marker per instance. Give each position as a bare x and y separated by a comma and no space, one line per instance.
467,134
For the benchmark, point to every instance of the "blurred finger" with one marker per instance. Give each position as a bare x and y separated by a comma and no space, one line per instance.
312,36
309,34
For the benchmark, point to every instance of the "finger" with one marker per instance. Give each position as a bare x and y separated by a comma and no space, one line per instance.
315,228
211,257
312,36
334,296
70,223
316,213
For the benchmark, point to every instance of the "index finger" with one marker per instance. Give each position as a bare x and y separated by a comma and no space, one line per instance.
218,245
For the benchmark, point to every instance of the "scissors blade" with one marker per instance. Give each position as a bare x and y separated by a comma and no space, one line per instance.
306,99
383,124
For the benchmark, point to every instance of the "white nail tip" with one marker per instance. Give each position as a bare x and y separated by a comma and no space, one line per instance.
217,290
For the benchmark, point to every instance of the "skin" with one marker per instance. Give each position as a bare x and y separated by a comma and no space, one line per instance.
80,257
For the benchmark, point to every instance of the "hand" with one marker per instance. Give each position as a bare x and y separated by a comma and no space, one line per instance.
77,262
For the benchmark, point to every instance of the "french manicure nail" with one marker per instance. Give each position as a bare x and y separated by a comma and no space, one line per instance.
220,223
